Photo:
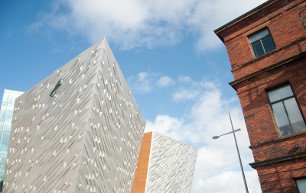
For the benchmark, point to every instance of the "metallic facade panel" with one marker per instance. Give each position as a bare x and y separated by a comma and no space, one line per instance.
85,138
171,166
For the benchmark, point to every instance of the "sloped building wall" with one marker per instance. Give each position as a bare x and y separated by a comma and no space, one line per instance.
165,165
70,142
115,132
171,165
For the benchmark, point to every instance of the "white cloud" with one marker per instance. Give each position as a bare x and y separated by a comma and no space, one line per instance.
165,81
166,124
190,89
144,23
209,15
185,79
217,169
183,95
145,82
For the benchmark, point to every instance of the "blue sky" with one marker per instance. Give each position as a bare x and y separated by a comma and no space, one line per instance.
176,67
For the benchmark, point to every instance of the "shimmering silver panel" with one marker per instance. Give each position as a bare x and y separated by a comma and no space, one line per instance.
85,138
171,166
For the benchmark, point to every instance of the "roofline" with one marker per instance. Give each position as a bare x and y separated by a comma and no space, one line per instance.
216,31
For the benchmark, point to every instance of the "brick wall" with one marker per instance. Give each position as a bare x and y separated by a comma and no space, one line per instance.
266,144
287,32
278,160
279,177
255,103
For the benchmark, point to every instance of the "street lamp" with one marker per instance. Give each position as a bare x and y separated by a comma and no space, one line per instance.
216,137
238,152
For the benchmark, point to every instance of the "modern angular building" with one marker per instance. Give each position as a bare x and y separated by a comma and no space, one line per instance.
78,130
6,115
165,165
267,49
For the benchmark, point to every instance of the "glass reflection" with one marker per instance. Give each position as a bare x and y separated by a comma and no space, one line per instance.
286,111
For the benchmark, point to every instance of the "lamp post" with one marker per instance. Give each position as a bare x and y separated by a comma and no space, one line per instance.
238,152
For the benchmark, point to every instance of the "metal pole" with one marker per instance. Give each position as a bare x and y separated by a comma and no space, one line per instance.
242,171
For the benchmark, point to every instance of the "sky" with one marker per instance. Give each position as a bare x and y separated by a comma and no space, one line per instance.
176,66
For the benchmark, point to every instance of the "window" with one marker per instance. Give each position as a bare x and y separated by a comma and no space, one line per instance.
58,84
301,185
286,111
262,43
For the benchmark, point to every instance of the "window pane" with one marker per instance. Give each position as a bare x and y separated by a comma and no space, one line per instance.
7,125
3,159
5,138
281,119
268,44
3,151
301,184
9,114
2,115
295,117
258,35
280,93
2,170
257,48
11,100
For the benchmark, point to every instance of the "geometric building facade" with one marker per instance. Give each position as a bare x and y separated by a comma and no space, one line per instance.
78,130
6,115
267,50
165,165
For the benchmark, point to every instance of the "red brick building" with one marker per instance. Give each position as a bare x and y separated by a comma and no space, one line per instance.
266,47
